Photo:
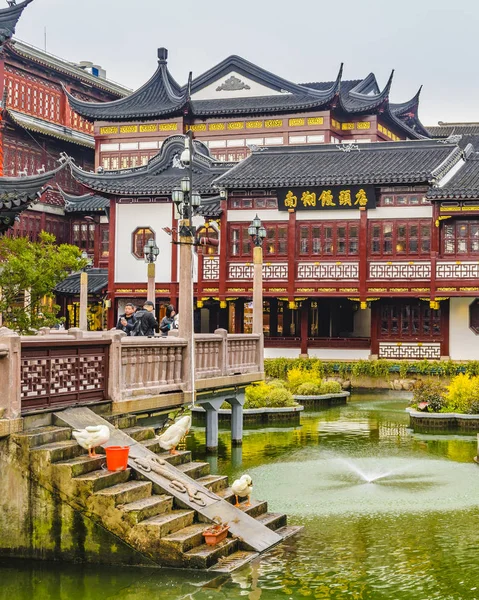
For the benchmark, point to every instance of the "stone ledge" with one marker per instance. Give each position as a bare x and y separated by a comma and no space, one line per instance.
8,426
339,395
424,422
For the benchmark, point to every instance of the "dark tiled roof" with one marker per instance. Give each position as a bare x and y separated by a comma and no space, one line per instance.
375,163
18,193
160,176
210,208
9,18
444,130
97,282
464,184
86,203
160,96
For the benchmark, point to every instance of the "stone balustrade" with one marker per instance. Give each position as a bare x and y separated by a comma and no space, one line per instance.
54,369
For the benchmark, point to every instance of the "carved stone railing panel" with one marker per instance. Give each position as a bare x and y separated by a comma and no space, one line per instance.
243,353
63,372
400,270
207,356
211,267
150,366
270,271
328,270
457,269
413,350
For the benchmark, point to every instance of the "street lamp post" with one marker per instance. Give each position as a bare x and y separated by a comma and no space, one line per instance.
186,200
83,324
151,251
257,233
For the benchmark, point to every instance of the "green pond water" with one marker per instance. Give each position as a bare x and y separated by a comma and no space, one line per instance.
387,514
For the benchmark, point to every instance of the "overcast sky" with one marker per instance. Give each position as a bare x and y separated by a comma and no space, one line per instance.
428,42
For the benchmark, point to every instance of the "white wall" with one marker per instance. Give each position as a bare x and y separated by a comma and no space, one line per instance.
254,89
324,353
463,343
129,269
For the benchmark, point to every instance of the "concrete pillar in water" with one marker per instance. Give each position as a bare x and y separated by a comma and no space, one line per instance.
236,403
211,429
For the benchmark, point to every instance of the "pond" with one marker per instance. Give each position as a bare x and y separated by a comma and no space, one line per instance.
387,514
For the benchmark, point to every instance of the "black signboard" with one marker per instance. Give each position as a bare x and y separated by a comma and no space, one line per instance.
327,198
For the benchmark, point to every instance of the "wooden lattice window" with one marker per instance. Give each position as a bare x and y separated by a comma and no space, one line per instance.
461,237
328,239
400,238
139,238
410,319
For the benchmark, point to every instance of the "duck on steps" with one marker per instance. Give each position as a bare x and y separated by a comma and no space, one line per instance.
174,434
243,487
91,437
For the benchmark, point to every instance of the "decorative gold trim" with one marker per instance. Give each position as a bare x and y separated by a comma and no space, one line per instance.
148,128
129,129
108,130
441,218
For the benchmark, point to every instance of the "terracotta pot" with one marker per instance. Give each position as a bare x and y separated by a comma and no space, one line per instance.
215,535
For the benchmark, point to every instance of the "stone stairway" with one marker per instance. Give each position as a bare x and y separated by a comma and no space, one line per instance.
136,510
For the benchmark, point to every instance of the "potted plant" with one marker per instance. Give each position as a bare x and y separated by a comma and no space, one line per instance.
215,533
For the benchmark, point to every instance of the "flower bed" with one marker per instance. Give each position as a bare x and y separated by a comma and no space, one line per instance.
323,400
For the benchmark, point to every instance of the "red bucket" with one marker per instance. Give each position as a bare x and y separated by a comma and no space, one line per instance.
117,457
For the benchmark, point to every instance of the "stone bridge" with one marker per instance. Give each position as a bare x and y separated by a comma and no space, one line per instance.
116,374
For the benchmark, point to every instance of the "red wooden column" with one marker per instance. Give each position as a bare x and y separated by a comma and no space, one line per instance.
435,246
375,317
363,253
445,305
291,254
223,251
96,245
111,263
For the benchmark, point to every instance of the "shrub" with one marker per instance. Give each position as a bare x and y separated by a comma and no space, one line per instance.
474,408
330,387
276,383
309,389
462,393
264,395
298,377
431,391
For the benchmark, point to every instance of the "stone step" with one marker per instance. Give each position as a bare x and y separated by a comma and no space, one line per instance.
125,493
233,562
57,451
123,421
81,465
272,520
140,434
49,434
161,525
102,479
174,545
204,556
153,445
215,483
147,507
195,469
227,494
183,456
256,508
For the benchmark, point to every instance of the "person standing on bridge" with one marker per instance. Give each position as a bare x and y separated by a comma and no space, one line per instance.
169,321
126,321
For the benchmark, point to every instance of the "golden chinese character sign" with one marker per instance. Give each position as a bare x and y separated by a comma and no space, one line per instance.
327,198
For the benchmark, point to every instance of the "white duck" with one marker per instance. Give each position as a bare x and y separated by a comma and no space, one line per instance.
243,487
172,436
91,437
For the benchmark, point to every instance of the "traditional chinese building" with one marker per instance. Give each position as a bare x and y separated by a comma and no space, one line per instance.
37,126
365,251
237,105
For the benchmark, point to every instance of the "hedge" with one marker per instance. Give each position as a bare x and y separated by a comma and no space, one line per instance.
279,367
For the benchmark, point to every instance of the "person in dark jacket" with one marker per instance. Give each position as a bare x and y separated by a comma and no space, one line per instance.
168,321
126,321
145,322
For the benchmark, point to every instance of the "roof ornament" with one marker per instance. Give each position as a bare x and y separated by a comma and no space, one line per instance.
176,162
233,84
255,147
63,158
451,139
348,147
12,2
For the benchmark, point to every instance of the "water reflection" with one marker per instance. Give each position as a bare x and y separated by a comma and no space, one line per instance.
388,515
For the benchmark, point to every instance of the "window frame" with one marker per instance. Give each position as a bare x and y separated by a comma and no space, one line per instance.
326,237
390,237
146,237
469,238
424,314
241,240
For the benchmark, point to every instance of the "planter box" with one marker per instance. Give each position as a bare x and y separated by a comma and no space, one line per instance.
289,415
215,535
325,400
426,422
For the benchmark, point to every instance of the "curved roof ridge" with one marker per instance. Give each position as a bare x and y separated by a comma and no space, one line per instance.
9,18
359,102
160,95
401,107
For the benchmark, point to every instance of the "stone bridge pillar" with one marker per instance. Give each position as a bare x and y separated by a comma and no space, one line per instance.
212,406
